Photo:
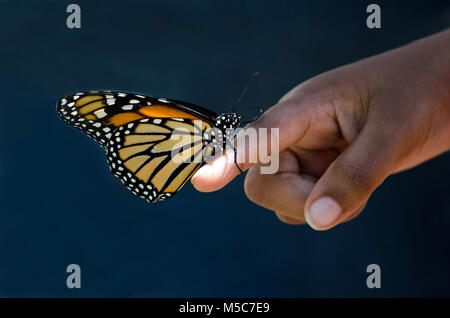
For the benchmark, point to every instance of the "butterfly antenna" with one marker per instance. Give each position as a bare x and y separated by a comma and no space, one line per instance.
244,91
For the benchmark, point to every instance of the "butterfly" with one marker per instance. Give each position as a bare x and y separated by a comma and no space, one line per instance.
153,145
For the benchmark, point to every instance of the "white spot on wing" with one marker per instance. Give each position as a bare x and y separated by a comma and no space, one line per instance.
100,113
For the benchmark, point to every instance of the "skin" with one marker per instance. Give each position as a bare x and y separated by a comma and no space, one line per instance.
342,133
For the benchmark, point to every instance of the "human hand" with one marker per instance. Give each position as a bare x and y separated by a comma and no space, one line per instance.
343,132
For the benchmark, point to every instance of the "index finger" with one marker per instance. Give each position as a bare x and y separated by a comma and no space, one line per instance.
288,120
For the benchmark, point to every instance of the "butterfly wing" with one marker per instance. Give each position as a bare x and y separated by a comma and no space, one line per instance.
98,114
153,145
155,157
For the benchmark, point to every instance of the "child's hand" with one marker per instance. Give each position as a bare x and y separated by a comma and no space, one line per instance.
343,132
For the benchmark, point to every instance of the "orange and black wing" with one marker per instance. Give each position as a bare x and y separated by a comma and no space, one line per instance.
98,114
155,157
153,146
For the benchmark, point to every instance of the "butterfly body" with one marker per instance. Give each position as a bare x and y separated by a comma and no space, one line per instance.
154,145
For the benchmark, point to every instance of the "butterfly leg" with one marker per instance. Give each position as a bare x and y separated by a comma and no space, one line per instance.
235,161
245,123
259,115
255,118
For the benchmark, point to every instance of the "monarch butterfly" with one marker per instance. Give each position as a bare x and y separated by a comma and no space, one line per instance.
141,134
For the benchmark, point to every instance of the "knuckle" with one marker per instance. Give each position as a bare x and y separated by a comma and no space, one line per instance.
357,177
253,188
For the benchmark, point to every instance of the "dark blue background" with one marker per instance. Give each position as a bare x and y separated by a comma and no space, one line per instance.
60,205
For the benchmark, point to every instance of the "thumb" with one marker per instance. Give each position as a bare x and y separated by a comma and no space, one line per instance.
350,180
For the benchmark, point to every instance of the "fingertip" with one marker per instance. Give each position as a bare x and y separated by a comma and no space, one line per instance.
214,175
323,213
199,178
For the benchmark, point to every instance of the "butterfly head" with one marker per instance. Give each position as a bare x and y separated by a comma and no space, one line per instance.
227,121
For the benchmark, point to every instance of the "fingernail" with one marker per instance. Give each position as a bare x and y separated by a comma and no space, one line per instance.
322,213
